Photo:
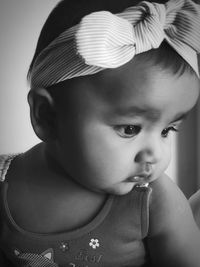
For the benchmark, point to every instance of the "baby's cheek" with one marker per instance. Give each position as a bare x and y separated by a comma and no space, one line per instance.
109,163
164,162
167,161
167,152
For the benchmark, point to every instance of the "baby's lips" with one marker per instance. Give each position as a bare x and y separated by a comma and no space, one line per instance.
140,178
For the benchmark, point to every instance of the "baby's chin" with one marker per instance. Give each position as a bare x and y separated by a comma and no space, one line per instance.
118,189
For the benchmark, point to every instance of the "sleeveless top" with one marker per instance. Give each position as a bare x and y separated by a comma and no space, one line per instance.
114,238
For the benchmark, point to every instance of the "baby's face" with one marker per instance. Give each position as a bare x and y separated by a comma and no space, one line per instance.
115,130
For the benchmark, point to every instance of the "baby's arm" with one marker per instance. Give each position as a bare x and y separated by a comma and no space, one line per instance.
195,205
174,238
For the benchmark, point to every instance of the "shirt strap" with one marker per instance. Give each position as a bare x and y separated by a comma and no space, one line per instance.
143,197
5,161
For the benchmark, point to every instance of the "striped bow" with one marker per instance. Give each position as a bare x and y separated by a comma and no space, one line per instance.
104,40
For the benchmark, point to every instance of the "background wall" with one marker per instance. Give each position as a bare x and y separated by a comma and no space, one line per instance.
20,25
188,153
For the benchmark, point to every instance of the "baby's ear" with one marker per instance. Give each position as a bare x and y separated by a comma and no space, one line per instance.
43,114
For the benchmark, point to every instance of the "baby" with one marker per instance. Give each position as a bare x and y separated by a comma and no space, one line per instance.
110,81
195,205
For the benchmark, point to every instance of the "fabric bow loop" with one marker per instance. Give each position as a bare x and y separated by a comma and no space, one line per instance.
105,40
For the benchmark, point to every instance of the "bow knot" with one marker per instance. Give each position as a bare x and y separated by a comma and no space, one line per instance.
150,31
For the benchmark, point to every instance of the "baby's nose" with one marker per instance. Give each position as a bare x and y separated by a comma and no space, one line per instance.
150,153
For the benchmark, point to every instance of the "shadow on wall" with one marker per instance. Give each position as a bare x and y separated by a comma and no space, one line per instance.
187,154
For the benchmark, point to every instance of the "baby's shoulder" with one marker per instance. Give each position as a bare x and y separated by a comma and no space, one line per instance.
171,226
14,167
167,191
168,205
195,199
20,179
195,205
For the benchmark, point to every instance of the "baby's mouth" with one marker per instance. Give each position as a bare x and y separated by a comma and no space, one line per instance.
139,179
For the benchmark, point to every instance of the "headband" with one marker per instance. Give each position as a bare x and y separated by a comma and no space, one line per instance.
104,40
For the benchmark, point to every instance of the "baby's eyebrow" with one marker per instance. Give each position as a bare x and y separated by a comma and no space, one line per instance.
150,113
180,117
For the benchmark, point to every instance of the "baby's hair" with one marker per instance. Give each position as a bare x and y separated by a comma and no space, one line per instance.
68,13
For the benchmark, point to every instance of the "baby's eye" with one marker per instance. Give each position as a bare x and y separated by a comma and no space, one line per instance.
166,131
128,131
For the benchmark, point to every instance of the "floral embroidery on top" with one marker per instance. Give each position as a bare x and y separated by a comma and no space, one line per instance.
64,246
94,243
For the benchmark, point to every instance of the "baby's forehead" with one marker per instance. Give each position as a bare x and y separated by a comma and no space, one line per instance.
116,83
112,84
